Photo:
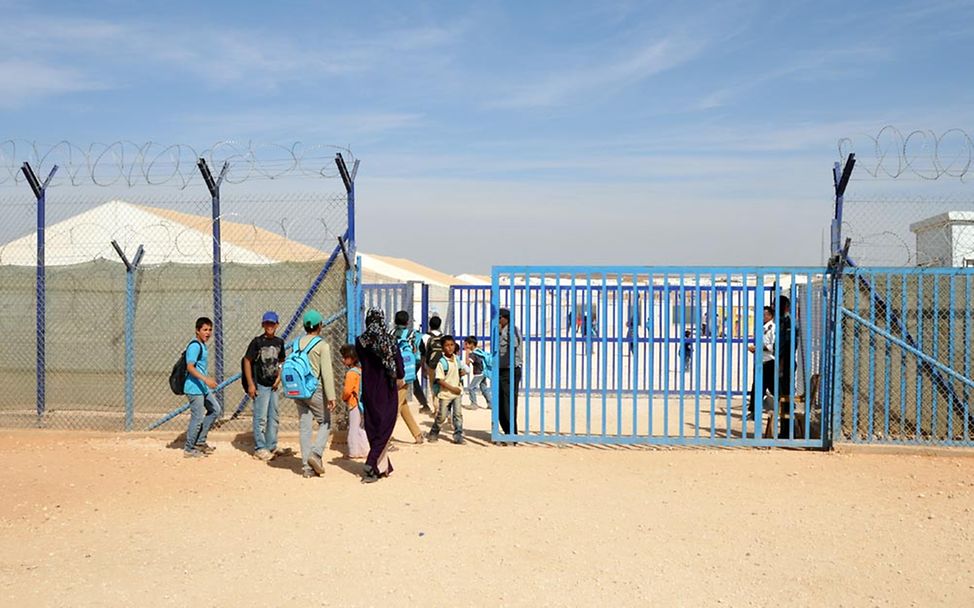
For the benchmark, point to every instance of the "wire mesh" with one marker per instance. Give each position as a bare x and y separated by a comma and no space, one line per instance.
273,248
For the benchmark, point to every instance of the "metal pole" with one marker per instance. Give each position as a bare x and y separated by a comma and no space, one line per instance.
213,185
40,292
130,269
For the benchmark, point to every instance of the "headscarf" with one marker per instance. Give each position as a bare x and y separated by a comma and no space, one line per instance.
376,339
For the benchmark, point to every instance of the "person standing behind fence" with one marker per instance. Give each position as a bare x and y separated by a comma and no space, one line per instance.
687,348
262,378
477,360
382,373
767,359
321,404
785,366
408,344
446,389
358,442
198,388
509,342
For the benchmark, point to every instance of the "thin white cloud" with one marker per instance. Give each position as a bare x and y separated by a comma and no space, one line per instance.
21,81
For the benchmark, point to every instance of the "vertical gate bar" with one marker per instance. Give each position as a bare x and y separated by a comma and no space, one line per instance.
495,392
808,356
856,345
728,332
604,348
935,334
667,330
758,345
919,375
588,353
779,364
574,350
543,335
634,317
651,350
557,383
791,357
683,344
950,354
712,310
526,349
838,372
889,356
618,357
903,358
699,362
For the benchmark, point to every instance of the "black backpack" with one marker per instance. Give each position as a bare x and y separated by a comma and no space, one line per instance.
177,377
434,350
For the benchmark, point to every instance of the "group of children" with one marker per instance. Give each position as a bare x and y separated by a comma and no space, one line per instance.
313,390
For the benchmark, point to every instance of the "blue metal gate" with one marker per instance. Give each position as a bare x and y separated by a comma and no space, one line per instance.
657,355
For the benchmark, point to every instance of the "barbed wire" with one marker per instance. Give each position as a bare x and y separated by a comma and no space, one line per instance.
128,163
924,154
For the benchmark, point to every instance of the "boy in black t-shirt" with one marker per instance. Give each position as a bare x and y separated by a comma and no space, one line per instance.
262,378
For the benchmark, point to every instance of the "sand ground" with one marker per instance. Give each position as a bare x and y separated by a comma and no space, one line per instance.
111,519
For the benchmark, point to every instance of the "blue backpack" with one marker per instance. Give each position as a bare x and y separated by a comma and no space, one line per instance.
486,358
297,378
407,346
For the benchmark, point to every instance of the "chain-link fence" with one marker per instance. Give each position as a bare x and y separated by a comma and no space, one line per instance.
128,271
905,341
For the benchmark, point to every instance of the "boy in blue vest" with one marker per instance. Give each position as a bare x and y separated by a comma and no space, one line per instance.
198,388
476,360
320,405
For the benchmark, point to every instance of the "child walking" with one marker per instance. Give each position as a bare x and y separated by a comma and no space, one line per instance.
262,378
198,388
358,442
476,360
446,388
320,405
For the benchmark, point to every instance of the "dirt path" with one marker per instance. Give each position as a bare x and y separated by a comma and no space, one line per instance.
107,520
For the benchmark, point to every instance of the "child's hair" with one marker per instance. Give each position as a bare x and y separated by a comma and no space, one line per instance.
769,310
348,352
402,317
435,322
471,340
202,322
447,338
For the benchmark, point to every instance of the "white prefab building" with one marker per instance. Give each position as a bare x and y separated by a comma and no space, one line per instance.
945,240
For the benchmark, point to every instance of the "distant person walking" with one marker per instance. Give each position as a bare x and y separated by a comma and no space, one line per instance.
408,343
198,387
767,360
509,362
382,374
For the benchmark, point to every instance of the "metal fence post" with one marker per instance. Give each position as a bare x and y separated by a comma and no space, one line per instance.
131,268
213,185
40,193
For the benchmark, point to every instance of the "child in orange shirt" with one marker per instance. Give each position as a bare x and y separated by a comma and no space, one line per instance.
358,443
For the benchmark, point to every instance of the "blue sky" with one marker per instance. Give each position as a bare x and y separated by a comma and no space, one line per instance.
543,132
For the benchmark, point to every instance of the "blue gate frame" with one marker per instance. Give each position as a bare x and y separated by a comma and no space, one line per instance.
659,355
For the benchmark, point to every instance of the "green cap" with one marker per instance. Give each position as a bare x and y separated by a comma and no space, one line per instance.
312,318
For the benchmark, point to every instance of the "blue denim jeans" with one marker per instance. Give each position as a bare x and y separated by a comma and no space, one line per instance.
204,410
265,419
309,411
440,419
478,382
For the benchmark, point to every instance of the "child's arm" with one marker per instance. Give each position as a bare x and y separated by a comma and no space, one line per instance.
249,386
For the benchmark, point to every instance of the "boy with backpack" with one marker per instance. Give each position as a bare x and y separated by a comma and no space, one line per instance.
480,363
197,387
262,378
408,343
308,378
446,389
432,351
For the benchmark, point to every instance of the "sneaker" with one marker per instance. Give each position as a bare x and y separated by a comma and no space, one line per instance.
315,462
205,448
426,410
308,473
419,440
432,437
192,454
264,455
459,440
470,407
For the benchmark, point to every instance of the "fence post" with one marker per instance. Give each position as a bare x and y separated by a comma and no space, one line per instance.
350,249
213,185
131,268
40,292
